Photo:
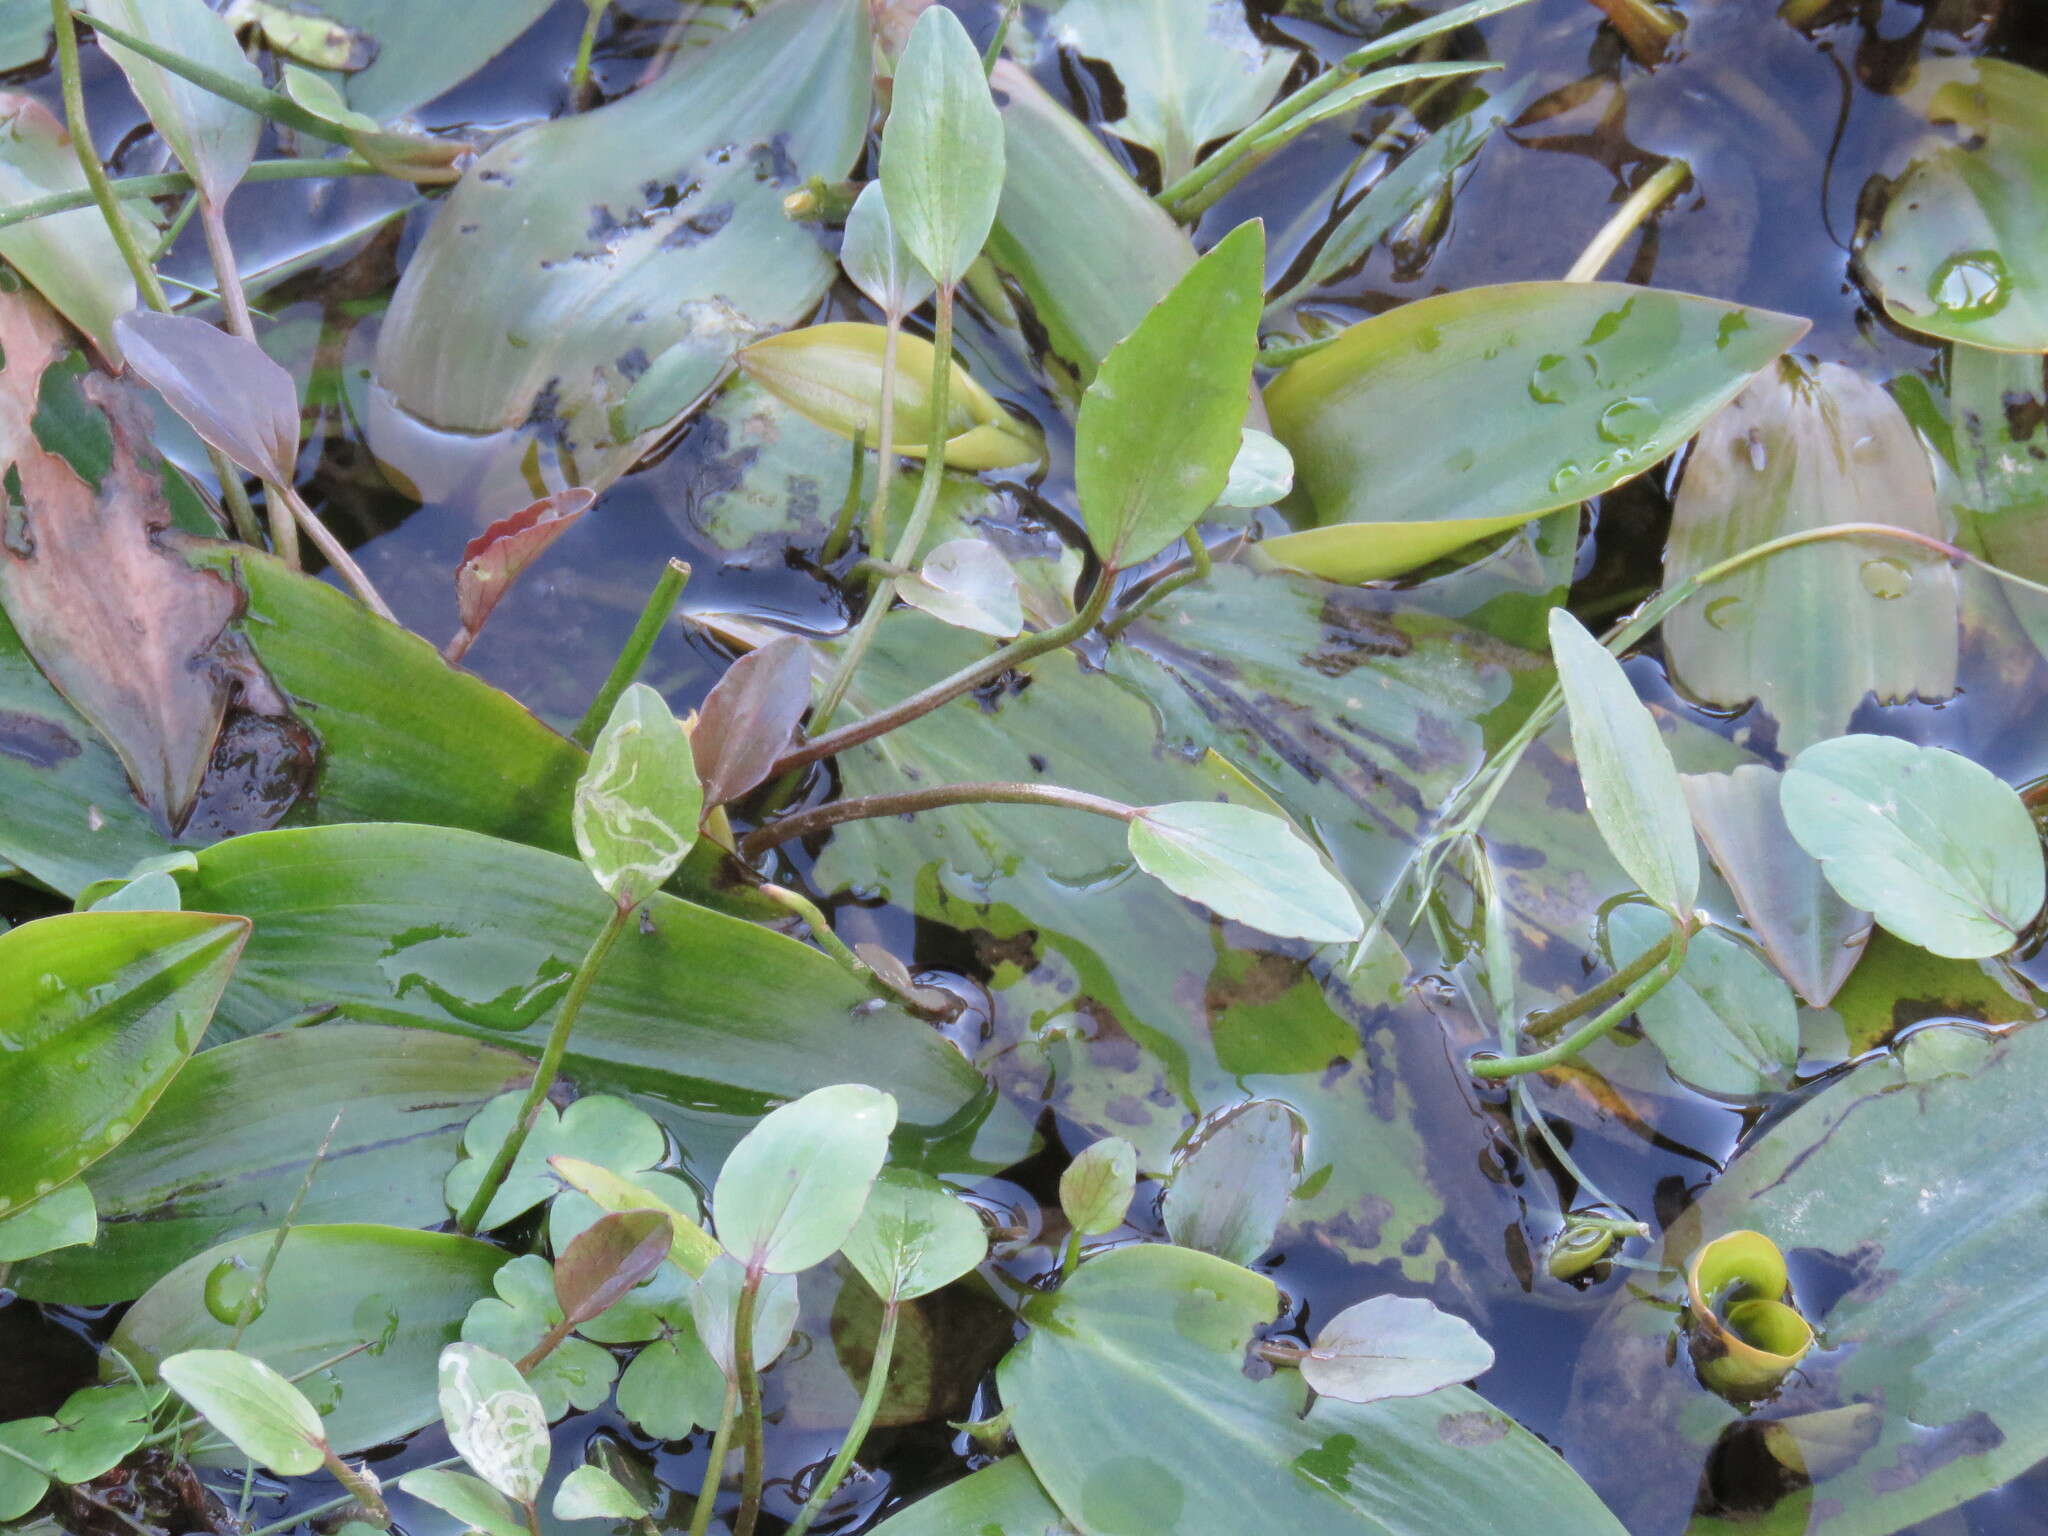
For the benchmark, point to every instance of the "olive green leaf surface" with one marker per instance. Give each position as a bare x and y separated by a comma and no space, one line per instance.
426,926
229,1144
333,1288
1446,420
1097,1186
606,238
999,1500
1232,1181
1997,402
471,1500
591,1493
1130,1401
1918,1179
1247,865
64,1218
101,1011
1810,632
1958,252
1726,1023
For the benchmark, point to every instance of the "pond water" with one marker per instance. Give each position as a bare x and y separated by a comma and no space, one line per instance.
1784,131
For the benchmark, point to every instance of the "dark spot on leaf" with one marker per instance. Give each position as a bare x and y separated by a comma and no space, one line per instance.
33,740
772,162
14,525
633,363
1037,761
698,228
2024,415
1935,1449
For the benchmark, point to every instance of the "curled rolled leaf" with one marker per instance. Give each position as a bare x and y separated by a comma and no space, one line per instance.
1745,1337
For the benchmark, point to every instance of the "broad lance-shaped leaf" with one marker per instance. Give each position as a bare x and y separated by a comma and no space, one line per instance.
749,716
1810,632
474,1502
1130,1400
968,584
1393,1346
876,259
1232,1181
267,1418
1726,1022
499,556
914,1236
606,239
591,1493
494,1421
1160,426
639,800
1459,416
942,148
213,138
228,390
69,257
1631,784
100,1012
833,374
1191,70
1245,865
607,1259
793,1188
1961,249
1096,1187
1939,850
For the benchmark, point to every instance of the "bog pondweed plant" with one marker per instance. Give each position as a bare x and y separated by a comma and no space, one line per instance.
1207,724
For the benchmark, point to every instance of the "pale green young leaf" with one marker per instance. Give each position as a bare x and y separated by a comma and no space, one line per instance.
1260,474
1247,866
494,1420
478,1505
914,1236
1726,1023
1096,1187
714,1307
1632,786
638,802
1393,1346
591,1493
876,258
1162,423
942,149
967,583
1939,850
267,1418
793,1188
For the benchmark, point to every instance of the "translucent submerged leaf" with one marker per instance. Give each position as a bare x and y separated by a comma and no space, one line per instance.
1232,1181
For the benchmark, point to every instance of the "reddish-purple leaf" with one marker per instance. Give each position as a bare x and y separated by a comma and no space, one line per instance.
498,556
608,1258
230,390
747,719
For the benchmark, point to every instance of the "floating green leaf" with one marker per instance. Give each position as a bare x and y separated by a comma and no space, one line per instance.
1245,865
267,1418
1726,1022
601,1128
65,1218
1160,426
1996,402
878,261
1459,416
1000,1500
591,1493
494,1421
1936,848
967,583
914,1236
101,1010
1631,784
791,1191
92,1433
715,1306
1261,474
474,1502
416,53
638,802
1393,1346
1097,1186
942,148
1232,1181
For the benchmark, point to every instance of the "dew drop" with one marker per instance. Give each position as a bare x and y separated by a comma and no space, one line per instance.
1548,384
1629,420
1970,285
1723,612
1568,475
1759,456
229,1285
1886,579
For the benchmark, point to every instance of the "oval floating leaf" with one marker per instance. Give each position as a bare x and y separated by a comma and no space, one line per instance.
967,583
1393,1346
942,148
714,1306
267,1418
100,1011
1632,786
1096,1187
1161,425
1232,1181
228,390
749,716
1941,851
1459,416
638,802
494,1421
793,1188
876,258
914,1236
1247,866
1726,1022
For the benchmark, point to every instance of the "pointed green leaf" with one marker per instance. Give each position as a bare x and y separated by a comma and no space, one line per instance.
228,390
1261,473
1939,850
213,139
267,1418
478,1505
1161,425
1726,1023
1096,1187
607,1259
638,802
1393,1346
1247,866
1632,786
793,1188
914,1235
1232,1181
591,1493
64,1218
876,258
942,148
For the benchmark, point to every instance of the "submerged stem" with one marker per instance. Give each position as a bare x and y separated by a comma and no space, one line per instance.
753,1466
332,550
857,1431
654,615
549,1064
1628,218
1543,1025
579,76
885,442
360,1488
909,802
1493,1068
169,183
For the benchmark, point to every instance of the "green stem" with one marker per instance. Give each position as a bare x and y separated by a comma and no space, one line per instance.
253,1303
857,1431
331,549
753,1465
885,451
169,237
849,504
313,1512
1070,1254
660,606
994,50
821,930
73,84
908,803
920,514
170,183
1628,218
579,76
925,700
714,1469
549,1065
360,1488
1494,1068
1197,569
1543,1025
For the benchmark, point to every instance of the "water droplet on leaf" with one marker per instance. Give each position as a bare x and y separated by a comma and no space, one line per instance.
1628,420
229,1285
1723,612
1548,385
1886,579
1970,285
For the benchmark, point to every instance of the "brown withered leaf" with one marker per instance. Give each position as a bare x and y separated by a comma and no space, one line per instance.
130,634
498,556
